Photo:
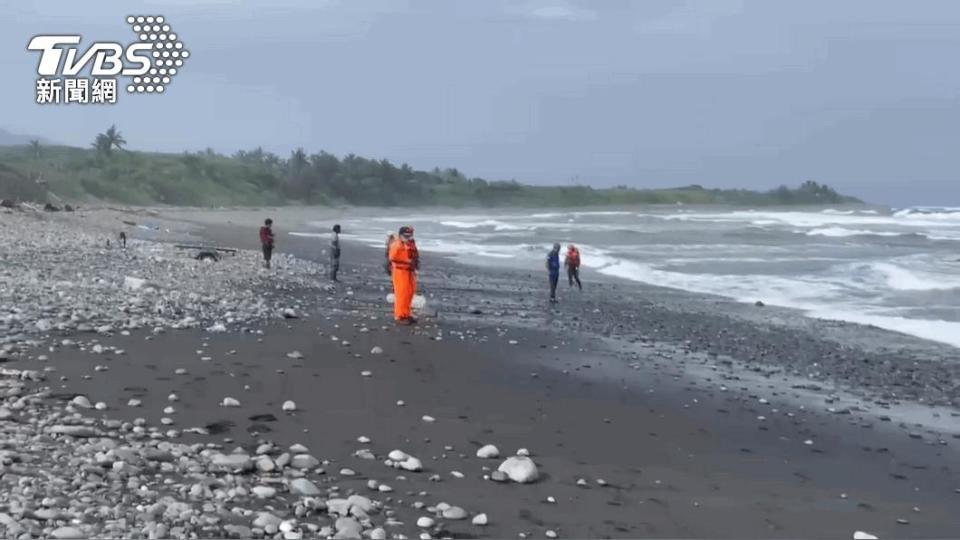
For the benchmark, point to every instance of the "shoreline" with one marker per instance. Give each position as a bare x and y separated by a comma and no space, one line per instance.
634,392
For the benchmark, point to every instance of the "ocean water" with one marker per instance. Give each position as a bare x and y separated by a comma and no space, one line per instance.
897,269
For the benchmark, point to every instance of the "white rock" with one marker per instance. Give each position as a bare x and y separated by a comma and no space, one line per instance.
398,455
304,487
378,534
133,284
134,402
67,532
100,406
551,534
454,512
264,492
480,519
296,355
81,401
376,350
411,464
419,302
520,469
229,402
366,373
523,452
217,328
289,406
363,440
488,452
429,419
860,535
304,461
425,522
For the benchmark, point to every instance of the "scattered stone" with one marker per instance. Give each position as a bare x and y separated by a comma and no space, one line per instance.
520,469
264,492
488,452
860,535
304,487
425,522
376,350
304,461
454,512
480,520
229,402
289,406
67,532
82,402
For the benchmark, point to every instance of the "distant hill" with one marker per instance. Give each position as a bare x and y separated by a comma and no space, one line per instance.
256,178
8,139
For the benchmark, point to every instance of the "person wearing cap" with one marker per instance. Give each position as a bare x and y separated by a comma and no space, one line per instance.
335,253
404,262
266,241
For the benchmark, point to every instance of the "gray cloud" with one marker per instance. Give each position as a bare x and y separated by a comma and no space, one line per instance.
859,94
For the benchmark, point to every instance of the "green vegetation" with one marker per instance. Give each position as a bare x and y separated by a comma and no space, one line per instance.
108,173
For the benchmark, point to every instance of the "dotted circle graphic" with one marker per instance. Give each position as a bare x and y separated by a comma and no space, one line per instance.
167,51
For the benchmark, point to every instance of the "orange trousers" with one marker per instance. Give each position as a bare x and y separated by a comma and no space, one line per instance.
404,287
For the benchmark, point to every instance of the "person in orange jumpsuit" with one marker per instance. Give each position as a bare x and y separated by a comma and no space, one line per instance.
405,261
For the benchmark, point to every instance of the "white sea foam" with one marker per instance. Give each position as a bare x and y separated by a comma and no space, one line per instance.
864,280
840,232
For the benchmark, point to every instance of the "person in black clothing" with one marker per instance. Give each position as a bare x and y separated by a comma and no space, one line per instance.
335,253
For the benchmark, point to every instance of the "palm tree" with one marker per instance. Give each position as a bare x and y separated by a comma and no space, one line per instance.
115,138
107,141
35,148
102,144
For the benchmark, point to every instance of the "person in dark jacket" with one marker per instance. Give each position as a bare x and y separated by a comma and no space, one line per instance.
335,253
266,241
553,270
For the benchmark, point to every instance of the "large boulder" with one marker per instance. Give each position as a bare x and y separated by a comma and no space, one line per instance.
520,469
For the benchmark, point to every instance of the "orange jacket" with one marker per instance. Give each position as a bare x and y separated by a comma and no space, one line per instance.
573,258
404,255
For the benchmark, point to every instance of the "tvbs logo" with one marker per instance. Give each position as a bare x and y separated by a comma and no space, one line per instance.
150,63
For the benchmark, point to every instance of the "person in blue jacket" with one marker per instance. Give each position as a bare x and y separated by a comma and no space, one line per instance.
553,268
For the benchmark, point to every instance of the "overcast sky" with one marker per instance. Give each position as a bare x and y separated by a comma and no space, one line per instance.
861,94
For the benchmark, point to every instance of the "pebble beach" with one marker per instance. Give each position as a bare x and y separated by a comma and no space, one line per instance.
148,394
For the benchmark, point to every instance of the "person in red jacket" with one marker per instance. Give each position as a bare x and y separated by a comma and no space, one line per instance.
572,262
266,241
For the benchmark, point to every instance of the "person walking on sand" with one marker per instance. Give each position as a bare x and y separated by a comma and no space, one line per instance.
553,269
335,253
266,241
405,262
572,262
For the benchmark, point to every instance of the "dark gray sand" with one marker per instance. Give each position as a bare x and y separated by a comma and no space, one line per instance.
649,413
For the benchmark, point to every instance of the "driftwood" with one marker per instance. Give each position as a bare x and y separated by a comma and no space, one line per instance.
223,249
